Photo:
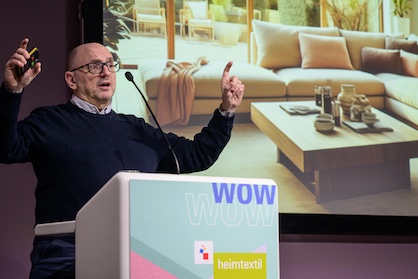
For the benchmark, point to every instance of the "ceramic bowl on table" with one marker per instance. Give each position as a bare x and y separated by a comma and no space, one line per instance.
324,122
369,118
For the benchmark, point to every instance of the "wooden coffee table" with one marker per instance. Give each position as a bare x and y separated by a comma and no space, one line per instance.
342,163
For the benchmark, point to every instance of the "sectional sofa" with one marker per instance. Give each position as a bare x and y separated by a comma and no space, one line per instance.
262,85
383,67
288,61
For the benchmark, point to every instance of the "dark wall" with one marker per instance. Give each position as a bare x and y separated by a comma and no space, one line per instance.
54,28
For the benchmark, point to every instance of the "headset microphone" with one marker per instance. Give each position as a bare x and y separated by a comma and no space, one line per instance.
129,77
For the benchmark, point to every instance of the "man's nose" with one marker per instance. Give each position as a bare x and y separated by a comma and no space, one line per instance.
105,70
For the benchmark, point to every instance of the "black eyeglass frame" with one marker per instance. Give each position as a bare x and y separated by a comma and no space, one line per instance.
113,64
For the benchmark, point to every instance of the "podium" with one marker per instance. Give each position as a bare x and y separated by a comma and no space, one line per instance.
142,225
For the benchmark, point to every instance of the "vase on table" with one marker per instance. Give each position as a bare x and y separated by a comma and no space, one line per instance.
348,92
402,25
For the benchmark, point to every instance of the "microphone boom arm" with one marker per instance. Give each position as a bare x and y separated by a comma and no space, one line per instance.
129,77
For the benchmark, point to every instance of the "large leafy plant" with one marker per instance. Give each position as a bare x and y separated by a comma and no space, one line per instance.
401,7
115,28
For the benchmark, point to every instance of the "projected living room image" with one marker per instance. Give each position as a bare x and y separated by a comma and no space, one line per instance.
329,111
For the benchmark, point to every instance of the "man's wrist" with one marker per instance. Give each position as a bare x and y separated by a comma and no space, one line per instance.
224,112
10,90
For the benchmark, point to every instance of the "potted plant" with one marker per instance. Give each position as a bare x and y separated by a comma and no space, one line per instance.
227,33
401,7
400,22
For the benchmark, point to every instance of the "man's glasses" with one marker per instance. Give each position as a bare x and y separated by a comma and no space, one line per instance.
97,67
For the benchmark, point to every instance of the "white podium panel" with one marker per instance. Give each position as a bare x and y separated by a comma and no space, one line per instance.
179,226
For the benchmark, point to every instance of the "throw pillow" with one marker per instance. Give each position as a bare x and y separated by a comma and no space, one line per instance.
406,45
413,37
378,60
409,63
324,52
356,40
278,44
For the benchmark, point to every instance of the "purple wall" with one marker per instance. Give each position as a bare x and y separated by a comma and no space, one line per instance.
53,26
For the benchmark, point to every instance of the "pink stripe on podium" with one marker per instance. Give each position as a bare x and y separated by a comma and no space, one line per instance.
141,268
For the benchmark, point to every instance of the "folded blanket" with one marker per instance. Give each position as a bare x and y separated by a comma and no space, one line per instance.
176,90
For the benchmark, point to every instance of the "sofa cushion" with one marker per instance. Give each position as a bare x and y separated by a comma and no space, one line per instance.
278,44
401,88
313,54
356,40
413,37
377,60
406,45
409,63
198,9
301,82
259,82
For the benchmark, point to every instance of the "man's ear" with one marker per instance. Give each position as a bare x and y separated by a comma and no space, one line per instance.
70,79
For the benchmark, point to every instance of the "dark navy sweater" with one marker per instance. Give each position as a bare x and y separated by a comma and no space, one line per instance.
74,153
